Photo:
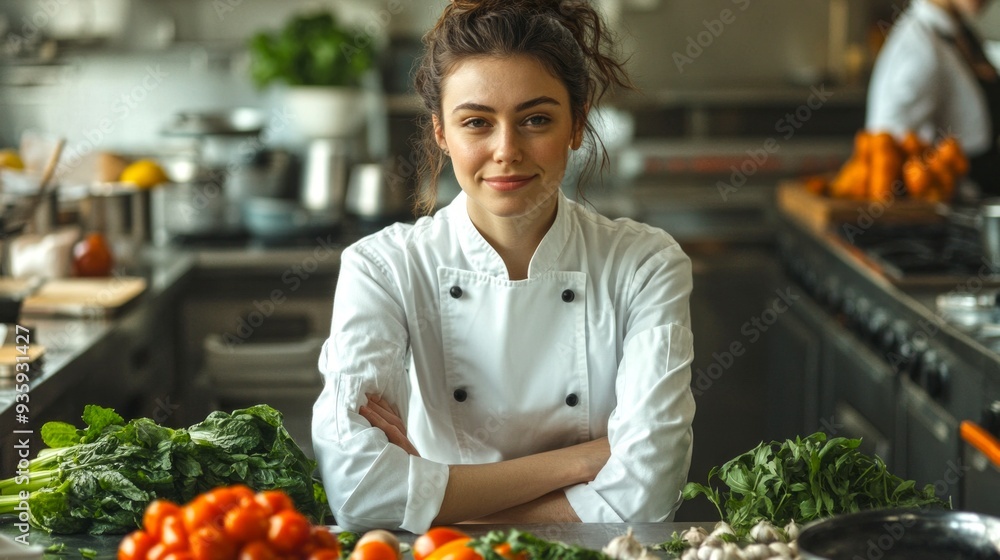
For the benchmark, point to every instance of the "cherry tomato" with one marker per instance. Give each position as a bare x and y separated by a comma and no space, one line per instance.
157,552
287,530
455,550
228,497
152,519
257,550
135,546
324,554
201,511
275,500
178,555
433,539
247,523
374,550
208,543
174,535
322,538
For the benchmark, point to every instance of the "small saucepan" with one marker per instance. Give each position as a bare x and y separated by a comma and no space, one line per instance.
897,534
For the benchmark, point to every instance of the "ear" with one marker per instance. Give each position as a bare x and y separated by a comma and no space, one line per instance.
439,132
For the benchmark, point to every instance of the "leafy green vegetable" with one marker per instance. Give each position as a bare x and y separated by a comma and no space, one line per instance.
535,548
311,50
100,479
806,479
347,541
675,545
89,553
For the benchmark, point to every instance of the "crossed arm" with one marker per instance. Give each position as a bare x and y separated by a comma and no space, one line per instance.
524,490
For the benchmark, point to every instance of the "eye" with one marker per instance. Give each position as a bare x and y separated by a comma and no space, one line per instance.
474,122
538,120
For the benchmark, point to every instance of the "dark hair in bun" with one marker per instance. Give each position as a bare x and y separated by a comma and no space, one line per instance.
568,37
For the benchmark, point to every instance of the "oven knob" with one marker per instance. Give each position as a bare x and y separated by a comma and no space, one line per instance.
878,324
920,355
834,298
858,321
810,281
890,338
934,376
991,419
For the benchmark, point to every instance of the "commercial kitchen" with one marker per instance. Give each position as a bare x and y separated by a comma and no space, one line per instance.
876,319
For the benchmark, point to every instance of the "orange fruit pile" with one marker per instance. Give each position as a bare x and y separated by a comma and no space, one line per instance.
881,168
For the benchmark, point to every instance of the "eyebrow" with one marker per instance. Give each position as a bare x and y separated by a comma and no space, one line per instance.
542,100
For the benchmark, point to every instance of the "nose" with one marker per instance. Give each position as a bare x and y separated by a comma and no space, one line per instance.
508,145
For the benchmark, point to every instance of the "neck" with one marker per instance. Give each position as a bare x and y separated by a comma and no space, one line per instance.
515,239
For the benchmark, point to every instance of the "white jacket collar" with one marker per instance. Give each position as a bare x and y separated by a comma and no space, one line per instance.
484,257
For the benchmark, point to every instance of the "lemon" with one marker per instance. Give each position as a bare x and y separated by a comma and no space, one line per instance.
144,173
10,159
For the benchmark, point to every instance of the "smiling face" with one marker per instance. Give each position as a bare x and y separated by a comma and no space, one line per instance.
508,127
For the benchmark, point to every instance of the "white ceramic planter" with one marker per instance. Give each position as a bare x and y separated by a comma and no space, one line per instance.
327,112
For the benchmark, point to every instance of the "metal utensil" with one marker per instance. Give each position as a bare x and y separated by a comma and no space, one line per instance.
899,533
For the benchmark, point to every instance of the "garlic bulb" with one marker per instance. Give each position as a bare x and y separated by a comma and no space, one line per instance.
756,551
624,547
781,549
690,554
723,528
732,552
764,532
695,536
792,530
712,541
705,552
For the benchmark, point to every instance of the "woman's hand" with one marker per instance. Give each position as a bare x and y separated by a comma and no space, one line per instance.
385,417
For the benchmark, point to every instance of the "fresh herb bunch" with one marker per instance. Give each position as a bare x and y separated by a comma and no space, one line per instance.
311,50
534,547
100,479
806,479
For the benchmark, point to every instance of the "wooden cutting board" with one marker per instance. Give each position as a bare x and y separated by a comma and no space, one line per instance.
83,297
820,212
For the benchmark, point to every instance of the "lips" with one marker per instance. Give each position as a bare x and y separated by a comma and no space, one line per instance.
508,182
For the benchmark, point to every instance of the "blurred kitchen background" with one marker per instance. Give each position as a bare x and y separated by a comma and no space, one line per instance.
735,95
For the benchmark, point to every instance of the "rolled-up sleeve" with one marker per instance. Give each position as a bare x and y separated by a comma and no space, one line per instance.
369,482
650,429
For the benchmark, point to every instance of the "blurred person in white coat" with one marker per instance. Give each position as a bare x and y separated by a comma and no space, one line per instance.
932,76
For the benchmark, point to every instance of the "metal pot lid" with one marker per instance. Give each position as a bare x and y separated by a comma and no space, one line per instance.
237,122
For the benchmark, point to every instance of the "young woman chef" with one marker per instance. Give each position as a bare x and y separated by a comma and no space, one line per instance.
933,77
516,357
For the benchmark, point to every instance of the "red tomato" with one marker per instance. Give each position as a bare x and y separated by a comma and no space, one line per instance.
322,538
200,511
178,555
208,543
433,539
247,523
152,519
135,546
174,536
257,550
454,550
288,530
374,550
324,554
275,500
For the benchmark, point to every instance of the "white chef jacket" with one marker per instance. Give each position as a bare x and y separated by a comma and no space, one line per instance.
595,342
922,83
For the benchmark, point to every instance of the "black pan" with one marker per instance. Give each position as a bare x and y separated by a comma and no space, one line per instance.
898,534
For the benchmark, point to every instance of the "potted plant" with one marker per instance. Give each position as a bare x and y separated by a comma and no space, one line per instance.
323,64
